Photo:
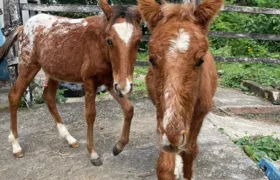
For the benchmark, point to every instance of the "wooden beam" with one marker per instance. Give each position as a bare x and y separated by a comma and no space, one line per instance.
12,18
61,8
96,9
268,37
265,37
251,10
246,59
229,59
142,63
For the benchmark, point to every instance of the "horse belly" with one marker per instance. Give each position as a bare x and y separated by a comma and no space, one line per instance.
62,69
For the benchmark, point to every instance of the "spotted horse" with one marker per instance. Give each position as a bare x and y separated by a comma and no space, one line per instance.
97,50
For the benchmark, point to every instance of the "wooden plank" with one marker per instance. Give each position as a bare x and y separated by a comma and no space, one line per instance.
60,8
14,13
268,37
142,63
253,10
12,18
246,59
229,59
96,9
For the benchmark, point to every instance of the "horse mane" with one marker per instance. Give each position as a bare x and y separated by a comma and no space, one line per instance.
178,11
130,14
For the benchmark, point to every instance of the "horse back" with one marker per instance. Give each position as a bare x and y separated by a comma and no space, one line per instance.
60,45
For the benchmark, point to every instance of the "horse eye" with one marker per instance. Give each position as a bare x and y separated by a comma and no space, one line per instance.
152,62
200,61
109,42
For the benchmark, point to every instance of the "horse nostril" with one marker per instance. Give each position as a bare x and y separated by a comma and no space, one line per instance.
116,87
169,148
183,138
118,91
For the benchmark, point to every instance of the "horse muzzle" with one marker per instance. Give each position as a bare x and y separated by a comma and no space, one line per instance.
123,91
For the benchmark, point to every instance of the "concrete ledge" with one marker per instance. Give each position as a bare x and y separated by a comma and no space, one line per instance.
268,93
253,109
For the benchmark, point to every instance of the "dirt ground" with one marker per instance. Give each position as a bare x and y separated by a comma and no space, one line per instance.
47,156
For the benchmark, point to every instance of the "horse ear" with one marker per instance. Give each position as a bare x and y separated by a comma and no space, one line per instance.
137,14
150,11
106,8
206,11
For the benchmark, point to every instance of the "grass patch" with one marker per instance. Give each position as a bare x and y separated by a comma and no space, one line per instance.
234,73
142,56
139,88
260,147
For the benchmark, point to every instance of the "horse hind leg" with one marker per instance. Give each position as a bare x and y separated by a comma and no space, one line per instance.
26,74
49,97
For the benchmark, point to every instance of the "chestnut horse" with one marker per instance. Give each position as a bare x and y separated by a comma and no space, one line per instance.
181,81
98,50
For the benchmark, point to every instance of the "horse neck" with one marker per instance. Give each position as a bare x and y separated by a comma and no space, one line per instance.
97,26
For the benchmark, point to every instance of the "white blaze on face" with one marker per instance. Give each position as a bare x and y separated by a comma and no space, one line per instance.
181,43
178,171
63,132
124,31
169,110
15,144
127,87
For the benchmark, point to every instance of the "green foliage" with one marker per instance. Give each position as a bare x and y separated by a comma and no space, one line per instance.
221,130
101,94
139,86
234,73
259,3
37,95
59,98
260,147
247,23
142,56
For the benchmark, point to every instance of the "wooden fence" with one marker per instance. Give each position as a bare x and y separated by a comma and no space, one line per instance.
12,18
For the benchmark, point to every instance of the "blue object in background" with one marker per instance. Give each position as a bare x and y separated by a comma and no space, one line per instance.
4,73
270,171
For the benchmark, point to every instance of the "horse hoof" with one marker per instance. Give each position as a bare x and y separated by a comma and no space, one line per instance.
96,162
74,145
116,150
18,154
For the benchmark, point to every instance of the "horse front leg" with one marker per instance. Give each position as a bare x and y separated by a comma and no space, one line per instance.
190,155
188,161
90,113
128,110
166,169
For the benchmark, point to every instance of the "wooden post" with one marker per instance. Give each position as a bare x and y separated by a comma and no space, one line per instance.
197,2
12,18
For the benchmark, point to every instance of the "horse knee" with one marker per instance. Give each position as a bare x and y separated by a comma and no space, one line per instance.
13,98
90,114
128,111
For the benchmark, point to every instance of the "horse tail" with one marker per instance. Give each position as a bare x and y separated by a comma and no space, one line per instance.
4,49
